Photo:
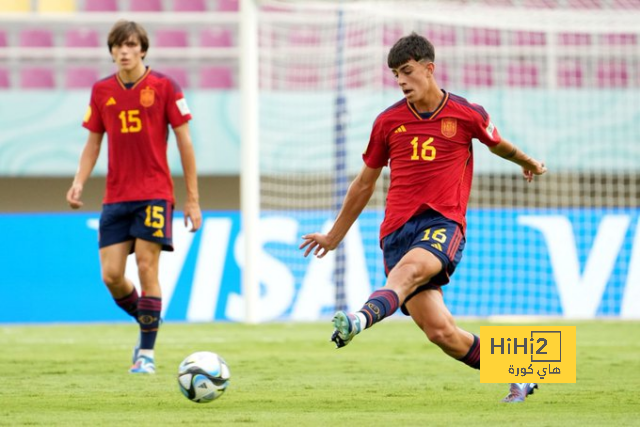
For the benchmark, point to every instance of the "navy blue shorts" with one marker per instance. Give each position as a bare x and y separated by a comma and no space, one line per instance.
149,220
432,231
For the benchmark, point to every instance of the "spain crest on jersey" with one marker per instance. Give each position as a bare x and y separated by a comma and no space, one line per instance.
449,127
147,97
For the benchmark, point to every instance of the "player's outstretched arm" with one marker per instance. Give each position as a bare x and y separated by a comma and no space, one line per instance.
358,195
88,159
509,151
188,158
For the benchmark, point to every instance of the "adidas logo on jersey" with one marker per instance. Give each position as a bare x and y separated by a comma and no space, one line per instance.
158,233
111,101
400,129
438,246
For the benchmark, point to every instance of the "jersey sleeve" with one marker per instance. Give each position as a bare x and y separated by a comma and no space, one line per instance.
377,153
177,109
486,131
92,118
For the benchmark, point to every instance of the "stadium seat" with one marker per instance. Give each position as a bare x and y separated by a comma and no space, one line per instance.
228,6
304,36
570,74
303,77
179,74
358,37
522,74
171,38
35,38
146,6
216,37
391,35
3,39
574,39
80,77
625,4
37,78
483,37
540,4
619,39
101,5
56,6
584,4
477,75
189,6
529,38
216,77
388,80
15,6
441,36
612,74
81,37
5,80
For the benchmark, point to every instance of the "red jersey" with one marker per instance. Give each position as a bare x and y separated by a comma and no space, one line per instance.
431,159
137,121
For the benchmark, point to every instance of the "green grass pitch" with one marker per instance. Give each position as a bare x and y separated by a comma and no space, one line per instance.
289,374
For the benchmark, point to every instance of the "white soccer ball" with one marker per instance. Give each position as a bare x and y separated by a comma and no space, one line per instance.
203,376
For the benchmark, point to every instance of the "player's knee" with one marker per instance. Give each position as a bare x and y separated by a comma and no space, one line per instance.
442,335
146,267
112,278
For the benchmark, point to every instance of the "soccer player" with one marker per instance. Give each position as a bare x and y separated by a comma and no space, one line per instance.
426,140
135,107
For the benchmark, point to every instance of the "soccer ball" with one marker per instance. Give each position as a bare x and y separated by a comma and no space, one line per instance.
203,377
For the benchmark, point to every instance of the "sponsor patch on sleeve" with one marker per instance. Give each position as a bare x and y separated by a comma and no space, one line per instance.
87,114
183,107
490,129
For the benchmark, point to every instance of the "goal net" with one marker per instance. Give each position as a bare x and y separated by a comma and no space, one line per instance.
562,84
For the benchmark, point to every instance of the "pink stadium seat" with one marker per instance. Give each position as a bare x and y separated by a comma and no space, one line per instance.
146,6
612,74
529,38
228,6
391,35
584,4
80,77
540,4
301,77
483,37
357,38
179,74
35,38
522,74
574,39
37,78
477,75
101,5
619,39
216,77
5,81
388,79
570,74
3,39
625,4
216,37
501,3
171,38
81,37
304,36
189,5
441,36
